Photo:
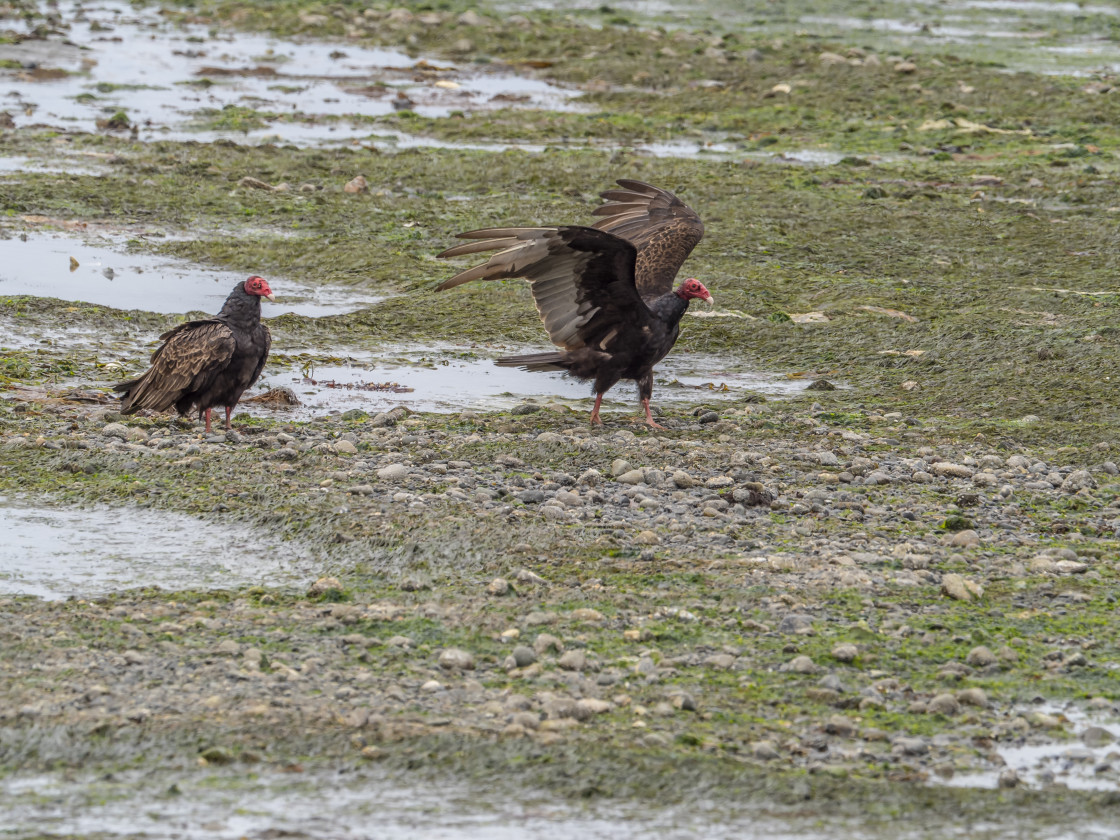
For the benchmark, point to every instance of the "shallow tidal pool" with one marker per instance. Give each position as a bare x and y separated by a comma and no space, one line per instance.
55,553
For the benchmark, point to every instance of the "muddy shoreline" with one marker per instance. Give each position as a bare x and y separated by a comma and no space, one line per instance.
508,588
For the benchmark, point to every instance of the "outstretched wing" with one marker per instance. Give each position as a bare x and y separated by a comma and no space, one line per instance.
582,279
189,356
662,227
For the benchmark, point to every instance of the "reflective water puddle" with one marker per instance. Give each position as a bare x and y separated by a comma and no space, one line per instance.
443,379
68,166
54,553
260,803
40,265
119,57
1090,760
367,803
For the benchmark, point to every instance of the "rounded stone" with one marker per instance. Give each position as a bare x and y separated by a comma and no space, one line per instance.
498,587
801,665
973,697
454,658
631,477
965,539
620,466
393,472
947,470
765,751
1097,736
546,642
980,657
943,704
840,726
796,623
573,660
115,430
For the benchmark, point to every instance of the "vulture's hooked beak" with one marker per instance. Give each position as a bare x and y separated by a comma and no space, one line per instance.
270,298
711,302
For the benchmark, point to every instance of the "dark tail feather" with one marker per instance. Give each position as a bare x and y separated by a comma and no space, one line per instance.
535,361
125,389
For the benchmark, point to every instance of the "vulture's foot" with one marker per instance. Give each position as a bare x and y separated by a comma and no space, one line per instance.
595,421
653,424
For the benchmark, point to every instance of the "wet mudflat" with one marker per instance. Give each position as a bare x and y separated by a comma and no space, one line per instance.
368,802
126,61
1036,36
884,609
55,553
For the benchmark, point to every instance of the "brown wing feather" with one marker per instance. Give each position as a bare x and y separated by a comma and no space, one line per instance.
191,352
582,279
662,227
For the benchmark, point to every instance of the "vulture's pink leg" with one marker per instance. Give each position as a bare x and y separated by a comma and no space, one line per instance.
595,421
229,408
207,421
649,416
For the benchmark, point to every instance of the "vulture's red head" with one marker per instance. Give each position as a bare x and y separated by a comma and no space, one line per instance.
259,286
693,288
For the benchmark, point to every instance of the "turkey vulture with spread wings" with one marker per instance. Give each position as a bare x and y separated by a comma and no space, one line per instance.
206,363
605,293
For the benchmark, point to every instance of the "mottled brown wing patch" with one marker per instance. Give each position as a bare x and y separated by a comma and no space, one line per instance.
662,227
190,353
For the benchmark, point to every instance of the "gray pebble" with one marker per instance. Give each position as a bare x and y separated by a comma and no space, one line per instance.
573,660
800,665
943,704
454,658
546,642
498,587
909,746
980,657
1097,736
796,623
764,751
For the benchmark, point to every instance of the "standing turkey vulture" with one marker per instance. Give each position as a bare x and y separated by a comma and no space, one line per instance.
605,293
206,363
